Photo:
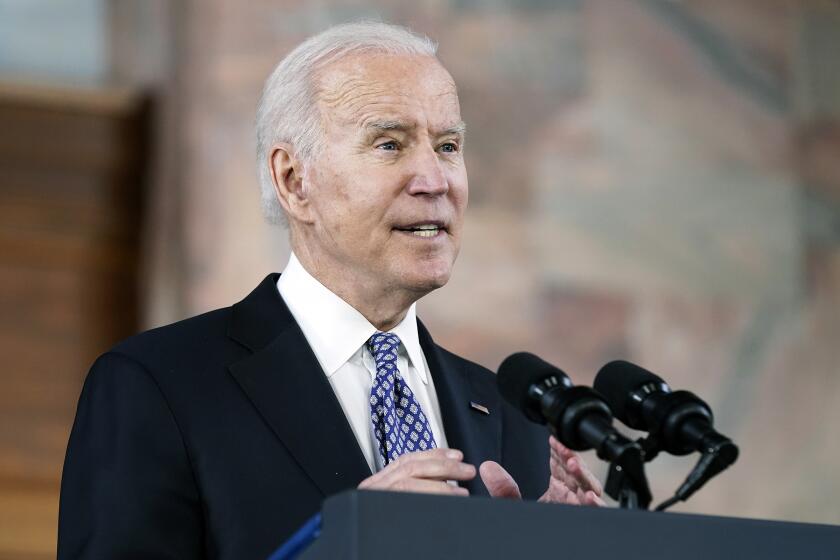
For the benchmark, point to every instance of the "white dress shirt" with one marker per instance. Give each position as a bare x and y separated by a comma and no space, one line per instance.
337,333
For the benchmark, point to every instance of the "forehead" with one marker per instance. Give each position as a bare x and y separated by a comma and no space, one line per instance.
366,86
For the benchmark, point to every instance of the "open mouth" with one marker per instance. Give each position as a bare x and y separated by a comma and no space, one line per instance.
423,230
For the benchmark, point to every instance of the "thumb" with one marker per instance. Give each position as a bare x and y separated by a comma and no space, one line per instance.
498,482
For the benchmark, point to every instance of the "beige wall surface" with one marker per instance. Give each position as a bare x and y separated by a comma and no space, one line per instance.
651,180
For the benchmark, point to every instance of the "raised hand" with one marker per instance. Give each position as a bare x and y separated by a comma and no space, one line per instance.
571,481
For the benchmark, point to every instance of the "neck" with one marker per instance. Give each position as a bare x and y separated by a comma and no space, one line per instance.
383,308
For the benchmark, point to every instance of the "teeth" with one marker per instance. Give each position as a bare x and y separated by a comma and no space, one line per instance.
423,230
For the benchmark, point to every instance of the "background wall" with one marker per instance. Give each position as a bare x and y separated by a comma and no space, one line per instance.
650,179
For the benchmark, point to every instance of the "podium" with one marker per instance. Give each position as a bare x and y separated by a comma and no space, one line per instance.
360,525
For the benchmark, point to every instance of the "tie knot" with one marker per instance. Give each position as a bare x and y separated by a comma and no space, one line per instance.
383,346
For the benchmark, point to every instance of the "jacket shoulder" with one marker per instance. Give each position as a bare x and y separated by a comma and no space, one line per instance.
184,349
187,335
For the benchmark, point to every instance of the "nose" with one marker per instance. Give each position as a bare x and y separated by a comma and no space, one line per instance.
428,177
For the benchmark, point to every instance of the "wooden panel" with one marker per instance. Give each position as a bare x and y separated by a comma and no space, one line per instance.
71,169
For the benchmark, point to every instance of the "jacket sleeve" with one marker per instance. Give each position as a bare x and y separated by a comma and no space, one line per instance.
128,489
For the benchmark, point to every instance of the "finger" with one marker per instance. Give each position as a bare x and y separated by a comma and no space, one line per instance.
424,486
564,458
373,480
572,498
395,470
592,499
434,470
577,482
439,453
564,452
552,495
582,475
498,481
568,495
573,470
405,483
560,454
429,467
573,467
558,471
559,493
436,453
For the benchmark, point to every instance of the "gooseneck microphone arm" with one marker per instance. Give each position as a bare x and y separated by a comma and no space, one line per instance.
717,454
580,418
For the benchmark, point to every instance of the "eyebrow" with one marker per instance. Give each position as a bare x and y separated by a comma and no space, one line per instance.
403,126
459,129
390,125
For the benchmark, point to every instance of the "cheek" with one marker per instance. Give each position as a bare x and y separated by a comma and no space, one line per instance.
465,197
459,191
350,212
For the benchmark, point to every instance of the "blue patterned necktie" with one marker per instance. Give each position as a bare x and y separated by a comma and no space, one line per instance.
399,424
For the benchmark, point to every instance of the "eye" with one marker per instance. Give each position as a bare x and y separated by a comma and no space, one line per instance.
449,147
389,146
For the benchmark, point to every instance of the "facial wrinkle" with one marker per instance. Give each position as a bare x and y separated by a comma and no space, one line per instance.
353,96
335,95
353,92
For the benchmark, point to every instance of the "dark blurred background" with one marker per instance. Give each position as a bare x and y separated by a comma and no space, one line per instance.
656,180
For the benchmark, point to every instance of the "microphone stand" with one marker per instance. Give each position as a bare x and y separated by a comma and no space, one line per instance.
626,481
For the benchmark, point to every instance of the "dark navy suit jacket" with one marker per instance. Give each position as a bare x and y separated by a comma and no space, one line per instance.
218,436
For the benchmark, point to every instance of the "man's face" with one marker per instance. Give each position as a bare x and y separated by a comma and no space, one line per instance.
388,189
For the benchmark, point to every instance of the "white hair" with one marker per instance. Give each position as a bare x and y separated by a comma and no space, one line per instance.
288,110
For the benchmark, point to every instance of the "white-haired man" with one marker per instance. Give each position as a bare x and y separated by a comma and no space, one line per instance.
219,435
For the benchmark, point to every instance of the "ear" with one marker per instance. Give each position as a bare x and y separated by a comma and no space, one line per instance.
287,175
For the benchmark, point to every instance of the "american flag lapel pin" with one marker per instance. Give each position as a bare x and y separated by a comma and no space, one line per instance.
479,407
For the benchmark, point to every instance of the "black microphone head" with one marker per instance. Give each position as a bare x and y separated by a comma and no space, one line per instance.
521,371
617,380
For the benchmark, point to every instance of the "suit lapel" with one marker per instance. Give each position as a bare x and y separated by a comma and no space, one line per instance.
477,434
286,384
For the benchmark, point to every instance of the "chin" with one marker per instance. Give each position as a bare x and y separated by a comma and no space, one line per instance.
430,276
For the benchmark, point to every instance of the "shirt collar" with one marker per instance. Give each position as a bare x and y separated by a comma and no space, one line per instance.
334,329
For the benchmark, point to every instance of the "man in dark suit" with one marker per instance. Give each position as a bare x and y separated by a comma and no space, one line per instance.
218,436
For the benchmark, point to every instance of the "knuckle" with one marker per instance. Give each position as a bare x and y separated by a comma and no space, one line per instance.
410,469
453,467
434,469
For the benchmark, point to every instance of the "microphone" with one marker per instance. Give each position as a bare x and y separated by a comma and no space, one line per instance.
577,416
679,421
